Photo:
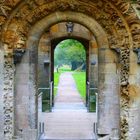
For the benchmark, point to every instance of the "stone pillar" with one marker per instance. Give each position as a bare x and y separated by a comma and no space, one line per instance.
1,95
124,92
93,74
22,95
44,70
108,88
26,92
93,62
134,91
33,89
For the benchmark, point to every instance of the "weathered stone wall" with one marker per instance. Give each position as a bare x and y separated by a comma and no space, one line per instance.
22,95
134,90
8,94
117,18
93,63
1,95
108,85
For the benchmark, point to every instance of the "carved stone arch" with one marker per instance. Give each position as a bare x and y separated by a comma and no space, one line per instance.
123,29
74,35
35,12
101,38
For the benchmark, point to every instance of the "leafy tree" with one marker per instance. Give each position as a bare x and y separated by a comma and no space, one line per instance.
70,52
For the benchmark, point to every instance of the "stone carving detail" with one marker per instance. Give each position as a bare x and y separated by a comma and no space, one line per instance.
135,31
18,54
137,50
125,100
2,20
4,8
124,60
8,100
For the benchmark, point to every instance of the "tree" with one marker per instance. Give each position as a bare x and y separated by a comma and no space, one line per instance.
70,52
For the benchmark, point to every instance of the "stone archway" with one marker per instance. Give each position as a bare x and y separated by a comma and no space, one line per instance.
85,43
104,51
121,29
32,45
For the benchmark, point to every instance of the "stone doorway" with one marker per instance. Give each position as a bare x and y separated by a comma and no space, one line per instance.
105,58
85,44
99,55
82,110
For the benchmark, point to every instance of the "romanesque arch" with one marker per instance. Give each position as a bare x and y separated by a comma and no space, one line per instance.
118,19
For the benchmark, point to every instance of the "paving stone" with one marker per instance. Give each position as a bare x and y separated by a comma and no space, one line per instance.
69,119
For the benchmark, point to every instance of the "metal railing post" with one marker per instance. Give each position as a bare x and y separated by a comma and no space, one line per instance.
51,92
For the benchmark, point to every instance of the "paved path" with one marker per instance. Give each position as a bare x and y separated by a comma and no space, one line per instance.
69,119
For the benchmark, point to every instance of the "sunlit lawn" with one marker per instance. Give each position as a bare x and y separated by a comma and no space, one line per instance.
56,81
80,79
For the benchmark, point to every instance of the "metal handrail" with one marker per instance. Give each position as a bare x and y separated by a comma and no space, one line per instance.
43,88
51,93
88,90
40,94
41,129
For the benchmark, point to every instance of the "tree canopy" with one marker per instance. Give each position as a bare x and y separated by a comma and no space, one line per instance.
70,52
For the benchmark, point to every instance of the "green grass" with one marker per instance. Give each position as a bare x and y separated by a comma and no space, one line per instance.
56,81
80,79
64,69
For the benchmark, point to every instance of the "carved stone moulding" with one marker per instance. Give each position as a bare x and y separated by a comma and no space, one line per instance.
137,50
124,104
17,55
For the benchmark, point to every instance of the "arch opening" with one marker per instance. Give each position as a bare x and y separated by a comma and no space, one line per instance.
99,48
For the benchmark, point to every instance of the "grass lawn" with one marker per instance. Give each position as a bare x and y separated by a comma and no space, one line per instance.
56,81
80,79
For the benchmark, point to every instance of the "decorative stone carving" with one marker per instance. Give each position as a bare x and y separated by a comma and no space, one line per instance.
124,60
10,37
4,8
18,53
137,50
125,98
125,101
2,20
8,100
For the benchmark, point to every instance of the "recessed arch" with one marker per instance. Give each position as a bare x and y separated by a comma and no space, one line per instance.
103,45
57,17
